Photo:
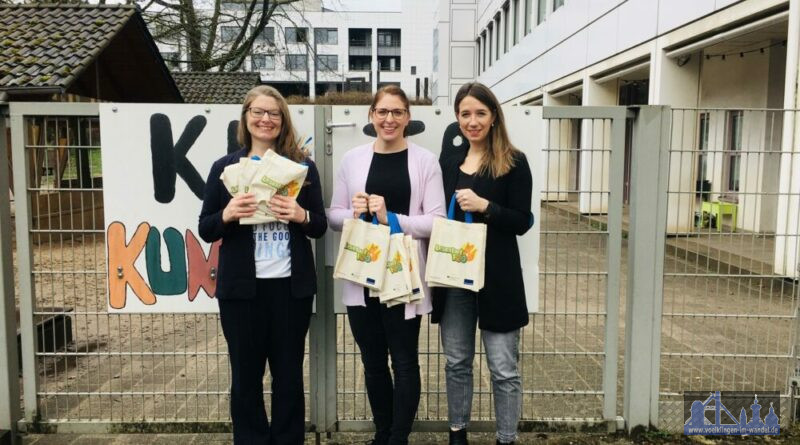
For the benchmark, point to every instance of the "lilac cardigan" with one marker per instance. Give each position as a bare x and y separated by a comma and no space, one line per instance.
427,202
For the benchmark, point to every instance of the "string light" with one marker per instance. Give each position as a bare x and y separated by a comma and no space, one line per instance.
742,53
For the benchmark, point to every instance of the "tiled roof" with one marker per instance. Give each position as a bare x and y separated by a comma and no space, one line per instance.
45,46
215,88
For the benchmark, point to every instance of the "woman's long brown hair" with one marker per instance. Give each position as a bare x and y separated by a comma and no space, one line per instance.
499,156
287,144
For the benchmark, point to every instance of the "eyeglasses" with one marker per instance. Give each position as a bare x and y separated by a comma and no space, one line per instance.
383,113
258,113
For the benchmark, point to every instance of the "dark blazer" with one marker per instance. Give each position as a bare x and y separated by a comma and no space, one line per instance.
236,275
501,302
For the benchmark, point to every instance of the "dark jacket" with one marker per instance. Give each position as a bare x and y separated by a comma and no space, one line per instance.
501,302
236,275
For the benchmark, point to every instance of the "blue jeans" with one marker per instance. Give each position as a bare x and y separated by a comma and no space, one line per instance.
457,328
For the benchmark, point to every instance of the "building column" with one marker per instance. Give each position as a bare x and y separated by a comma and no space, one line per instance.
595,145
676,83
787,234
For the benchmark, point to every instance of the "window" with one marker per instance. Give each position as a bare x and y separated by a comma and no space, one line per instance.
557,4
326,36
483,51
267,36
327,62
479,56
733,151
528,13
491,34
515,21
702,153
389,63
541,11
498,36
228,33
360,64
296,35
413,70
389,38
171,58
506,27
296,62
263,62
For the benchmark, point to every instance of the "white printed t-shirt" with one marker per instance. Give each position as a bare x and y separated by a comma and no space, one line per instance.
272,253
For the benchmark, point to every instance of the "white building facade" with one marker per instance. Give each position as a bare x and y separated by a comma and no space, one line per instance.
359,45
727,67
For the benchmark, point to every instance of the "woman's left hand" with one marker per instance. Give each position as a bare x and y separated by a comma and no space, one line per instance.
470,202
287,209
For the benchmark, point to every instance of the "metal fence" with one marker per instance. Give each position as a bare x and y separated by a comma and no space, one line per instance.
728,320
730,287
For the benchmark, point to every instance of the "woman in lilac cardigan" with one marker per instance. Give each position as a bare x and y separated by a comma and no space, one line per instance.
390,175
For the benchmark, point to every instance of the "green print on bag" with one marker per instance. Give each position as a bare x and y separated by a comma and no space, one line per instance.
365,255
396,264
463,254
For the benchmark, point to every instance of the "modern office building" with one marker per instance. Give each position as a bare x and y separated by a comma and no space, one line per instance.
359,45
728,68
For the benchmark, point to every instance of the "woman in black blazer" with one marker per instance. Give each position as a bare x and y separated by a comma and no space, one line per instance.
492,180
266,277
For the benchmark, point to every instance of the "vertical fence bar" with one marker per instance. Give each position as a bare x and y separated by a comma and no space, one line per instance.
25,265
645,266
9,369
323,323
615,183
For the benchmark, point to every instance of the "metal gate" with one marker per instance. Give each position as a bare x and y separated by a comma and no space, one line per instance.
87,370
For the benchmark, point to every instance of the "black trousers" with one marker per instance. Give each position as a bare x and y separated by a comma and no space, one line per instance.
380,332
271,327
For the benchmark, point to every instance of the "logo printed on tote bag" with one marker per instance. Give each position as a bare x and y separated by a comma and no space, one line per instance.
396,264
290,189
365,255
463,254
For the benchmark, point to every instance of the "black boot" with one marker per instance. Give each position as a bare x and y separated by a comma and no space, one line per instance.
458,437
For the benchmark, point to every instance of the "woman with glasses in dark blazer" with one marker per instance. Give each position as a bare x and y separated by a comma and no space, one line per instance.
266,277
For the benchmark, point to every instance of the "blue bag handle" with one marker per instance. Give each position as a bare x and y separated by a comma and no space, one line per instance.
394,223
451,211
363,217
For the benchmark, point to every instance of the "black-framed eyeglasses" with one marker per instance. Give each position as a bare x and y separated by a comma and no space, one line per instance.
383,113
258,113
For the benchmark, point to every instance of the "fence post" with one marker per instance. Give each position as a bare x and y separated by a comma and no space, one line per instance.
22,205
9,370
648,214
322,343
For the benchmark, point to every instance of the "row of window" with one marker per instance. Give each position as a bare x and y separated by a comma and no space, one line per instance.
502,32
293,35
322,36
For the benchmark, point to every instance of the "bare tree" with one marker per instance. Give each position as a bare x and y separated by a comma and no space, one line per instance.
195,27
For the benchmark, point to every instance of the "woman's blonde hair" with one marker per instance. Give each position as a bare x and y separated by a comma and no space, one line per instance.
287,144
499,156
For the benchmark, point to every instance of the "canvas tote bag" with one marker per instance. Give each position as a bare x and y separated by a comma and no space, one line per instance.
457,252
362,253
397,281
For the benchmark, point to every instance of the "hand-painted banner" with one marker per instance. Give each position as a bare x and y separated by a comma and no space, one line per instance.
156,159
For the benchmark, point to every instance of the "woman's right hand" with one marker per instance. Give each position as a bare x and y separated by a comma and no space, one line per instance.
240,206
360,204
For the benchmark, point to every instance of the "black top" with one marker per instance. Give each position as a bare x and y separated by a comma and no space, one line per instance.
388,177
236,275
464,181
501,302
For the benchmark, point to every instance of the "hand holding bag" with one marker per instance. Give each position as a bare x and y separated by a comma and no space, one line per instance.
362,253
457,252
